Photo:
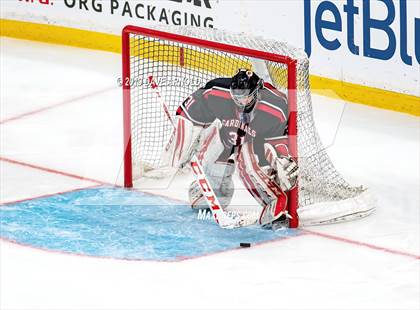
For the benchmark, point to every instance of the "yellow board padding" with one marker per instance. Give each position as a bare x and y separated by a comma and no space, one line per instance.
370,96
154,50
60,35
191,59
112,43
223,65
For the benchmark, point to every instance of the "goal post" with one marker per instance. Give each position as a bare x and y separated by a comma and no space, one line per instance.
126,74
203,54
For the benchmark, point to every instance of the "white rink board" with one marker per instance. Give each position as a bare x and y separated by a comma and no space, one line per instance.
285,20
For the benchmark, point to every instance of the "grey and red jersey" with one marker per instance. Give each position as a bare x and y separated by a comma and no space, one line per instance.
267,123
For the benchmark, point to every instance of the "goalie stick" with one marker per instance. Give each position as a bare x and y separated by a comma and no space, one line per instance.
219,215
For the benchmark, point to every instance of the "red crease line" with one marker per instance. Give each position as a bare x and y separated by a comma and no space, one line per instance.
323,235
256,244
86,256
2,204
13,118
70,175
362,244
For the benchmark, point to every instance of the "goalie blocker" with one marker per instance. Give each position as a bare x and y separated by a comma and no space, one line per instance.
237,123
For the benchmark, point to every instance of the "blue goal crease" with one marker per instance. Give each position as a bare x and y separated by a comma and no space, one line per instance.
123,224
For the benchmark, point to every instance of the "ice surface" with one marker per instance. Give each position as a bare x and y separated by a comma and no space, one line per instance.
377,148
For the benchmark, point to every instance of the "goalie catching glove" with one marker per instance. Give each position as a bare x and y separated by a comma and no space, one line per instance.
286,168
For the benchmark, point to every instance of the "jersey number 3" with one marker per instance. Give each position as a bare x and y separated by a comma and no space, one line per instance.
233,138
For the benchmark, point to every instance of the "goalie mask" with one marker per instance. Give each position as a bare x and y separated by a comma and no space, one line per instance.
244,88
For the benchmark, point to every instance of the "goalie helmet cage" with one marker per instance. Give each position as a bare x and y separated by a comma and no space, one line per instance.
183,60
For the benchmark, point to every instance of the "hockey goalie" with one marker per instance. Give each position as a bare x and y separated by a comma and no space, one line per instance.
237,123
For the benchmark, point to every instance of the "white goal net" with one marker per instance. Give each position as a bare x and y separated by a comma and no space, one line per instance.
181,64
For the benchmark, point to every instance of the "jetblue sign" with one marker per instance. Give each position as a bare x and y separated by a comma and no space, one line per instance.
331,18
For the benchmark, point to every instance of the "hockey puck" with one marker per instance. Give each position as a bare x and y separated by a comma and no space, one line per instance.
245,245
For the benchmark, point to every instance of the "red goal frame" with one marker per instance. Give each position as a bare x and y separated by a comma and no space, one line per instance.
292,94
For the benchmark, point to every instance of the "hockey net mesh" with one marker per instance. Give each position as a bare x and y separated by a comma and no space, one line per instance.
181,68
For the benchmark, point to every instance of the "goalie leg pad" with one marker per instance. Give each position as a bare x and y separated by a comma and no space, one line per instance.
256,179
182,144
196,197
273,211
220,177
259,182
